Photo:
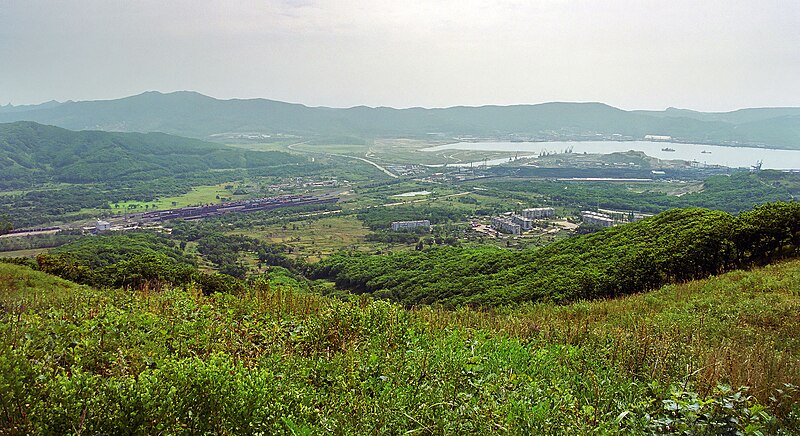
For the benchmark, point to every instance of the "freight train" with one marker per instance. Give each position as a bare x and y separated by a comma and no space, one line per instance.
211,210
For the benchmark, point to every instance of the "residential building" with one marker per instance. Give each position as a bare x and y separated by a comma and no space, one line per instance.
524,223
536,213
506,225
103,226
623,215
598,219
410,225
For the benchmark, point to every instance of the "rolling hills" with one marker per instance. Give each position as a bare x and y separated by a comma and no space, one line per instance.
32,153
195,115
50,174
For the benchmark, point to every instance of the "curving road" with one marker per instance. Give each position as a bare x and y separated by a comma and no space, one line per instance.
387,172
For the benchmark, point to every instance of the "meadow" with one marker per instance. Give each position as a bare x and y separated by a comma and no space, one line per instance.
32,252
315,238
206,194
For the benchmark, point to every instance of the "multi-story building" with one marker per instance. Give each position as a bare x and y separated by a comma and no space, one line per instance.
598,219
103,226
410,225
505,225
524,223
536,213
622,215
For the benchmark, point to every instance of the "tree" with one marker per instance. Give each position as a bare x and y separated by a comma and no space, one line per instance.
5,225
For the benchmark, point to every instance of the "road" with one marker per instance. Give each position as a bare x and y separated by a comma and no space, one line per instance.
459,194
387,172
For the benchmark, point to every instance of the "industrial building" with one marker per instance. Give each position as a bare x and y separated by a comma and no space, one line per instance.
535,213
410,225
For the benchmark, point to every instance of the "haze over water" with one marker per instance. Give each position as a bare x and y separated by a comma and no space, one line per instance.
734,157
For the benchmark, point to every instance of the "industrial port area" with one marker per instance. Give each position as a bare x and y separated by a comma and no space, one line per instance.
192,213
242,206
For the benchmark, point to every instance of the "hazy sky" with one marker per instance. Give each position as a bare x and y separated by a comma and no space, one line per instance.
698,54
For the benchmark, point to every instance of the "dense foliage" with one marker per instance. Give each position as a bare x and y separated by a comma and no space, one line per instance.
674,246
31,152
64,172
103,250
5,224
225,252
141,260
134,260
382,217
737,192
274,360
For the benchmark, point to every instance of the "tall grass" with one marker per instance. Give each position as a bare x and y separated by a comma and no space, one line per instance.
273,360
740,328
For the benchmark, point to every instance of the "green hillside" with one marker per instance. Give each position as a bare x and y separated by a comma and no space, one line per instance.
195,115
31,153
53,175
276,360
677,245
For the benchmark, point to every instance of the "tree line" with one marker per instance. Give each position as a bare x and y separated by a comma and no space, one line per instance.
738,192
140,260
674,246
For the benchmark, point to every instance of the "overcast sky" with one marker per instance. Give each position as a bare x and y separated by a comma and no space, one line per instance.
634,54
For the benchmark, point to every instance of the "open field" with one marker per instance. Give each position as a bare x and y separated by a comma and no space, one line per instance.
316,238
43,187
198,195
23,253
204,194
263,146
676,188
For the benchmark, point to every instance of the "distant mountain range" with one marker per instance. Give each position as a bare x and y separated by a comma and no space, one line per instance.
198,116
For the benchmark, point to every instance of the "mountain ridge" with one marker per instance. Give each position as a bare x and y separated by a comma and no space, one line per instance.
31,153
195,115
240,99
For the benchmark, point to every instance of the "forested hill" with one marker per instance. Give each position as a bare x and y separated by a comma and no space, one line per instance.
195,115
31,153
674,246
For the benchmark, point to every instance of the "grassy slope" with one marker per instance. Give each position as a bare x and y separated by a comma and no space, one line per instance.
75,358
741,327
